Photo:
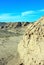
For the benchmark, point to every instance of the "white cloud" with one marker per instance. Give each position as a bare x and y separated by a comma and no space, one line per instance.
42,10
32,12
27,12
9,17
4,16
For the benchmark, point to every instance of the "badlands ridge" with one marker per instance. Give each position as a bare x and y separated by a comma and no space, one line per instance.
31,47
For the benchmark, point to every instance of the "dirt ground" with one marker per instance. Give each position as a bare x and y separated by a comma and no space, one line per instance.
8,47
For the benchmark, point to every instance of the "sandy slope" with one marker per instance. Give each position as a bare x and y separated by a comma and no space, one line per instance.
8,47
31,47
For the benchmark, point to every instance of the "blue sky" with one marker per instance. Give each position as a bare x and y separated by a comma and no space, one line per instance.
21,10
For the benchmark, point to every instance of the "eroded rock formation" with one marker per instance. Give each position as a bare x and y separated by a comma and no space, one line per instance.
31,47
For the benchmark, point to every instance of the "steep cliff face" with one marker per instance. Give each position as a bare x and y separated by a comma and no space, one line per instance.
31,47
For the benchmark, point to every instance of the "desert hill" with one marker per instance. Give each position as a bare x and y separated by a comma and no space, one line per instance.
22,43
10,36
31,47
12,25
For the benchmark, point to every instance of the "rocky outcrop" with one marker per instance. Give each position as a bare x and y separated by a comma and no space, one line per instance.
31,47
25,23
13,25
